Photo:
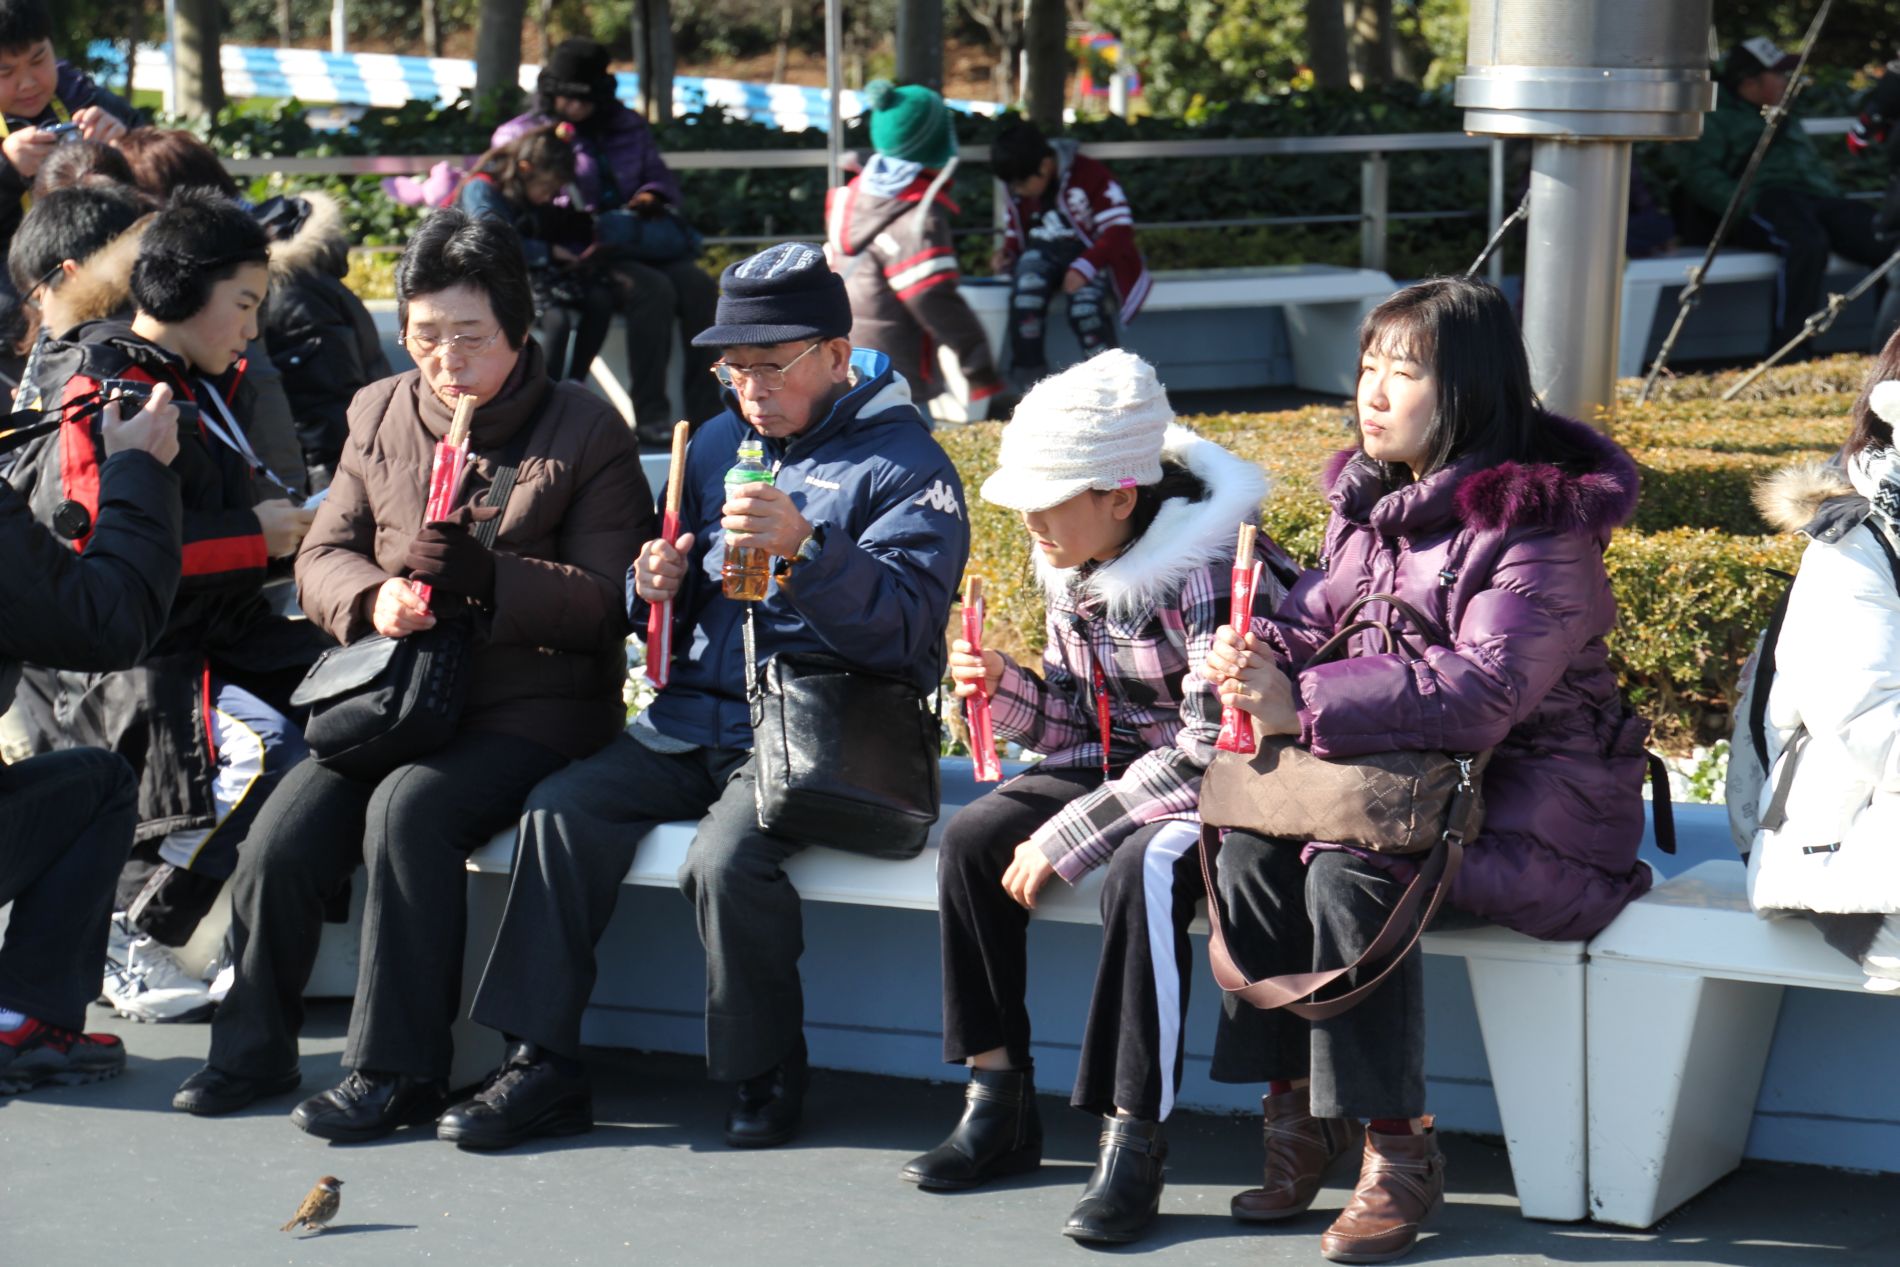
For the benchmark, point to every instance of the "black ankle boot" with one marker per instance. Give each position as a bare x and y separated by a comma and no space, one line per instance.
999,1134
1124,1193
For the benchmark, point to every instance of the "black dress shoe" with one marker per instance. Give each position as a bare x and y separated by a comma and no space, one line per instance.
211,1091
367,1106
999,1134
526,1098
766,1109
1124,1192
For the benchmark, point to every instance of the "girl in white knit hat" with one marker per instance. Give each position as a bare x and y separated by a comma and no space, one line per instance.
1132,520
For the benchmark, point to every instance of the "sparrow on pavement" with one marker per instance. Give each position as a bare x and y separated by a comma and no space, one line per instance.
320,1206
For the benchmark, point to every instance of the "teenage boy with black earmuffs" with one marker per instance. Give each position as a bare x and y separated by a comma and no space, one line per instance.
204,719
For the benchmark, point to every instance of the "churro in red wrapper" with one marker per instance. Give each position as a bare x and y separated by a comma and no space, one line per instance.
976,708
660,615
445,473
1236,728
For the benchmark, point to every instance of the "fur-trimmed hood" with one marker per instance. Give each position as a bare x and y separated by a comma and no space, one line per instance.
1791,498
1594,496
1185,537
320,244
102,288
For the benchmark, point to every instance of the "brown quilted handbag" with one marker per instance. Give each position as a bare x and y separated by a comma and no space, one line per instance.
1412,803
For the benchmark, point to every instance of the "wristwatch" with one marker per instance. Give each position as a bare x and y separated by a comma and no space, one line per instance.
807,551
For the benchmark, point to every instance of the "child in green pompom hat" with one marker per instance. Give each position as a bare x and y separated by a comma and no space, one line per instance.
888,233
911,123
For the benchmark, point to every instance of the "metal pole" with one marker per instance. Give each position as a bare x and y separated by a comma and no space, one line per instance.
1573,271
1374,206
174,92
339,26
834,86
1494,210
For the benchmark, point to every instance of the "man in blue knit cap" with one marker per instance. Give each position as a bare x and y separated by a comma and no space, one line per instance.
867,529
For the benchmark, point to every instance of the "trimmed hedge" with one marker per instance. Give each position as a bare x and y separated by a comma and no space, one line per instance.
1693,575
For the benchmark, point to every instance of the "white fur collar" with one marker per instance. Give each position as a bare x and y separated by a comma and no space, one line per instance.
1184,537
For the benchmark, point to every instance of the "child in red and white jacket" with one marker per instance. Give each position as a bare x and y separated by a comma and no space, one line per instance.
1069,226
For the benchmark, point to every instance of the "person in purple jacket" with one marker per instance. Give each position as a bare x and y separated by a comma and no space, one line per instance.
1490,516
621,177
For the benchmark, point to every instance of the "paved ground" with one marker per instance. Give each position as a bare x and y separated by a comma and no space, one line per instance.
109,1175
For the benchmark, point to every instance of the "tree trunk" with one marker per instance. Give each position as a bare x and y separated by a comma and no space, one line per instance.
544,18
199,77
1046,40
1326,44
920,42
653,57
1371,31
783,53
431,29
498,54
285,32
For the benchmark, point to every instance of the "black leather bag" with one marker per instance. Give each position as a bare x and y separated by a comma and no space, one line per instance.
845,758
383,702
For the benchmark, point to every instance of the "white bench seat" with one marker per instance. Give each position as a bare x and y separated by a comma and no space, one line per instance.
1645,280
1529,994
1684,990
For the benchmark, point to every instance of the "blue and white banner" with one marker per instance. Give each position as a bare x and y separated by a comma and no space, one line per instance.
384,79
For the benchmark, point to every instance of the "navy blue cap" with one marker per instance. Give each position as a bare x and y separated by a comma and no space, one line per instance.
781,295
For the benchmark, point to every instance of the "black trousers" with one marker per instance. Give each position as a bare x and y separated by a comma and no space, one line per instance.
1803,229
578,837
413,830
1283,916
66,822
1131,1048
678,291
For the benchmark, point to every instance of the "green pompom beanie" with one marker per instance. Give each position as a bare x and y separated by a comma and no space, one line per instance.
910,123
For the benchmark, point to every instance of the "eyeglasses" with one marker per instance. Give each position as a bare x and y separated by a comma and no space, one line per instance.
770,378
464,344
45,283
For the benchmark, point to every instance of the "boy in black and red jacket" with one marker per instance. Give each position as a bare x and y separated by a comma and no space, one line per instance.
204,719
1070,227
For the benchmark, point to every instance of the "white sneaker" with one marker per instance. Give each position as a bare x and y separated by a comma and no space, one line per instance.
147,984
221,975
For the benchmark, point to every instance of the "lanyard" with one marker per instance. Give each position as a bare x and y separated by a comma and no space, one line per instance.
226,428
6,129
1101,711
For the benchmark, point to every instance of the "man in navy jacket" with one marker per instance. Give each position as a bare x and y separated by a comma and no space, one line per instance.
867,528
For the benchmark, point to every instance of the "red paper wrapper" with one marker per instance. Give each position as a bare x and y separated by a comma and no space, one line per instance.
977,707
1236,727
445,481
660,619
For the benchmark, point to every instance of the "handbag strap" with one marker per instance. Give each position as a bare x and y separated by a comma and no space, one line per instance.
751,655
507,467
1293,991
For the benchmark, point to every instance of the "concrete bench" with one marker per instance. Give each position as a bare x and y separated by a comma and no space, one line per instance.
1529,994
1684,990
1320,306
1645,281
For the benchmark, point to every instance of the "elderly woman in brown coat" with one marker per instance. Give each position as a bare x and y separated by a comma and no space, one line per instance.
544,683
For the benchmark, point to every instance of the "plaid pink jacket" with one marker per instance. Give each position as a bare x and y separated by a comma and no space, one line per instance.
1163,715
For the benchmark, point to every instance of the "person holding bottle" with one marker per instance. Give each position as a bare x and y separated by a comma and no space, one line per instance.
864,526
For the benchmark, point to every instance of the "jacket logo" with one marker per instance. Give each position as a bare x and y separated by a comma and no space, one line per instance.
939,497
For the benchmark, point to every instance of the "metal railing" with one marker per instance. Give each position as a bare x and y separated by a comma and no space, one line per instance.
1375,215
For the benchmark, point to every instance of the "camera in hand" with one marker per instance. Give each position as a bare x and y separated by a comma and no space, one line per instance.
63,131
134,395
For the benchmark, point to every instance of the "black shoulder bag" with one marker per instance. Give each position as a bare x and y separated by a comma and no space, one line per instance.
845,758
382,702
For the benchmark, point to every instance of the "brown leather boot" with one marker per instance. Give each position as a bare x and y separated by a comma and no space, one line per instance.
1301,1150
1401,1183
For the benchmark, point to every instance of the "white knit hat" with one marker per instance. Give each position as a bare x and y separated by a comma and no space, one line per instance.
1098,424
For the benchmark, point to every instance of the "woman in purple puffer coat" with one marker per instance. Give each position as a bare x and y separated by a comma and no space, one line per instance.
1490,517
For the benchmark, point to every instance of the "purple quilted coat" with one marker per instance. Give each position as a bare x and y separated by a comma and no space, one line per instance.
1507,562
616,156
